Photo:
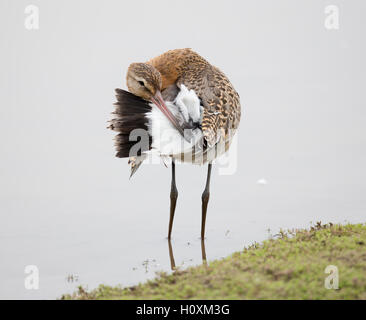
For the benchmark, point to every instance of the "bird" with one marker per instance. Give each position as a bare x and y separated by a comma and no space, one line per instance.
180,106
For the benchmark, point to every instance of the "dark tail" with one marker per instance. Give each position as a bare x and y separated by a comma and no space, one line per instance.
130,114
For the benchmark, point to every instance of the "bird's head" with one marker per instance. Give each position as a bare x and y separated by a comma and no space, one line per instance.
145,81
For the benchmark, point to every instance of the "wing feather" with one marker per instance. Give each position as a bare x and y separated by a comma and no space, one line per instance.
220,101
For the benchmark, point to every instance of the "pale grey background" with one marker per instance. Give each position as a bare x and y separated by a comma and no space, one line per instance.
67,205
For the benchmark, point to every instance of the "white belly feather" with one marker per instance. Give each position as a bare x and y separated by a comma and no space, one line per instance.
166,140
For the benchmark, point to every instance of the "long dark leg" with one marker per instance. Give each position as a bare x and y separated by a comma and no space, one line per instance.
171,255
203,250
205,198
173,199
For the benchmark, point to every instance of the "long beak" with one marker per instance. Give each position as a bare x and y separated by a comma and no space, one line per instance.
159,102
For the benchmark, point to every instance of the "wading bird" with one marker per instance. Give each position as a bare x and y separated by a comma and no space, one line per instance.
188,110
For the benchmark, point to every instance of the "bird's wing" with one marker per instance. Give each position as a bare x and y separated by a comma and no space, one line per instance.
221,104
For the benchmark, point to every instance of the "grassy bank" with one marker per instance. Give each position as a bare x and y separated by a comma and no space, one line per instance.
289,266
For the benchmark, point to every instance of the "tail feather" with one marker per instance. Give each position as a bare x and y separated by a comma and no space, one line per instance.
130,114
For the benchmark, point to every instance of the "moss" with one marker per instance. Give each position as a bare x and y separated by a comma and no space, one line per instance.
289,266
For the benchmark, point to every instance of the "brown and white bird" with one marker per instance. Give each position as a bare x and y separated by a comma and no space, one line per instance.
180,106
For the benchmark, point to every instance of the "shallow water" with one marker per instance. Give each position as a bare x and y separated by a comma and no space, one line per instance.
89,240
67,205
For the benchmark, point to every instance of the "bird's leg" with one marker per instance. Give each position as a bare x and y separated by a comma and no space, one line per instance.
203,250
205,197
173,199
171,255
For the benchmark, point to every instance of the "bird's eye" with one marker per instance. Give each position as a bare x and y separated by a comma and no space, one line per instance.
141,83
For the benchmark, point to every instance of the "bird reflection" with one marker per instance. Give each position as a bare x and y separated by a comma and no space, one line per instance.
171,255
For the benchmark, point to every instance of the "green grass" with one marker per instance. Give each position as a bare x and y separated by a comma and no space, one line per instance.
291,266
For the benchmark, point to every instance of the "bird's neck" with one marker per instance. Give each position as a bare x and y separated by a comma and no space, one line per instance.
174,63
